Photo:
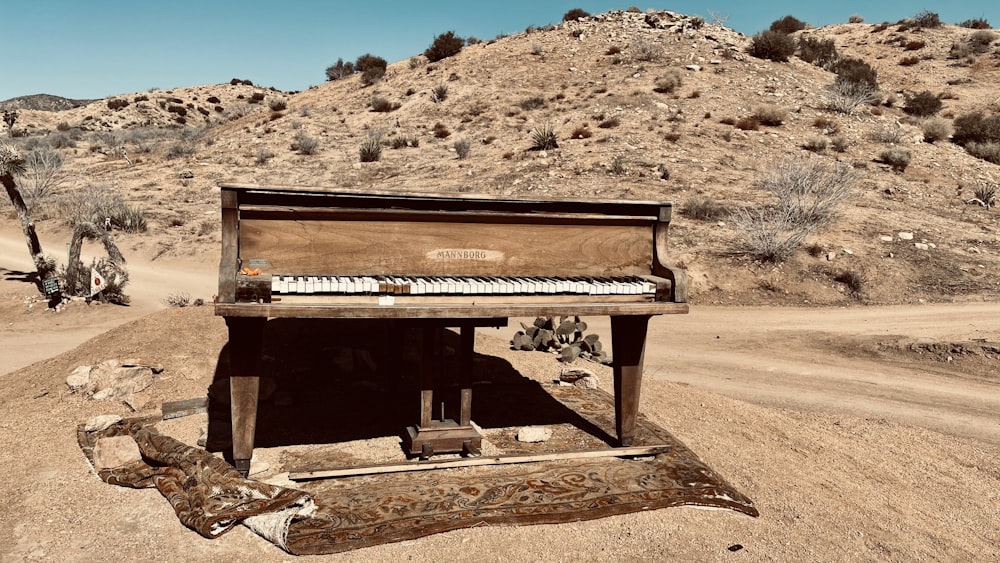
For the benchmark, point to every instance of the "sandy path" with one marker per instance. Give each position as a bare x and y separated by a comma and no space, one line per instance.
149,284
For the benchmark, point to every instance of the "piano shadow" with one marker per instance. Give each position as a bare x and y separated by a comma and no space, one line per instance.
19,276
333,380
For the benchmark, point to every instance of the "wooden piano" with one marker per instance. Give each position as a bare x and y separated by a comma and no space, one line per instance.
439,260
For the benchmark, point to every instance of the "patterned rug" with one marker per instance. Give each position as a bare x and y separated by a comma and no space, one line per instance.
335,515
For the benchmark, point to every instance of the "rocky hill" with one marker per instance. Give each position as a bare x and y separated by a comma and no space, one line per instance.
652,105
42,102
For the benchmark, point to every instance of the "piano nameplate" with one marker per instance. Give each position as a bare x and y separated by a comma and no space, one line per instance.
462,254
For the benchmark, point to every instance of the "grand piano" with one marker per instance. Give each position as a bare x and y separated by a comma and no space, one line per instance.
438,260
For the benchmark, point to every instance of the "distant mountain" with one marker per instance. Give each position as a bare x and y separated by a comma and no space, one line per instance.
43,102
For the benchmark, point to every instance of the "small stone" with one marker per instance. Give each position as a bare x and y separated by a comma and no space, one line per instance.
905,235
848,251
830,256
115,451
588,382
695,68
921,246
532,434
186,174
100,422
885,238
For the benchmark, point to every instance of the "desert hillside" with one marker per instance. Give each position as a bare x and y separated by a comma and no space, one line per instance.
640,105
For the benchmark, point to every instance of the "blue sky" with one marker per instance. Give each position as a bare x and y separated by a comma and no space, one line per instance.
100,48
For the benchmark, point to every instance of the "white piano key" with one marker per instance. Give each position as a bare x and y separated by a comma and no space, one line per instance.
276,284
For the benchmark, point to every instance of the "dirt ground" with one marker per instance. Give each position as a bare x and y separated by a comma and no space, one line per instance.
865,433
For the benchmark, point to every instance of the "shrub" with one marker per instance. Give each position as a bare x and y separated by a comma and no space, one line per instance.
179,110
856,71
371,150
668,81
213,100
278,105
855,18
382,105
575,14
372,68
769,234
263,155
770,114
534,102
926,19
256,98
846,97
441,131
613,50
787,24
887,134
976,127
772,45
704,209
462,148
815,144
820,52
337,71
977,23
897,159
439,93
95,204
581,132
981,40
543,138
117,104
181,149
839,143
924,104
853,280
989,152
42,174
304,144
936,129
748,124
178,299
914,45
909,61
444,46
617,166
403,142
809,192
645,51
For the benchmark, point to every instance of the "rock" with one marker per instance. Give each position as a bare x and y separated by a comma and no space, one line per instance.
186,174
78,378
885,238
921,246
115,451
905,236
532,434
574,375
100,422
695,68
589,382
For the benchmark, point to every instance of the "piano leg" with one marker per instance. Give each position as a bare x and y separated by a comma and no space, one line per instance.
246,337
628,342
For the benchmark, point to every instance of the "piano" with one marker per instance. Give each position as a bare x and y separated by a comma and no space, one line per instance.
439,260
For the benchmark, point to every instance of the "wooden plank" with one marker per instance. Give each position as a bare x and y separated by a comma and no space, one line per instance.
187,407
455,249
228,265
636,451
448,311
272,213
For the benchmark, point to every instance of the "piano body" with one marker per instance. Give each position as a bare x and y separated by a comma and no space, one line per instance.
438,260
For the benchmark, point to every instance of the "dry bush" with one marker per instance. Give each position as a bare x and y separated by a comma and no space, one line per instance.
897,159
748,124
382,105
262,155
441,130
610,123
914,45
100,205
787,24
667,82
990,152
887,134
702,208
462,148
985,195
770,114
936,129
42,174
976,23
278,105
855,18
839,143
820,52
371,149
178,299
581,132
853,280
909,61
808,197
302,143
643,50
924,104
444,46
846,97
439,93
815,144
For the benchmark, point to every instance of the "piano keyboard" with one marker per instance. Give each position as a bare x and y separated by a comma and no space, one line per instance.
449,285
